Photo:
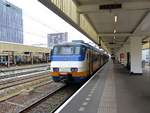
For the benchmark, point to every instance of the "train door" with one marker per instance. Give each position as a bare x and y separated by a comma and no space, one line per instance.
90,62
100,60
128,60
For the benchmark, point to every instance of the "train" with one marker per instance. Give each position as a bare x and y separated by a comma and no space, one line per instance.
75,61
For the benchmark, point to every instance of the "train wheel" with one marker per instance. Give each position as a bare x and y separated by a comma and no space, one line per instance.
56,79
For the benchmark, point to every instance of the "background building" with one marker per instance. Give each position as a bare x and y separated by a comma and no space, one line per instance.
56,38
11,23
12,54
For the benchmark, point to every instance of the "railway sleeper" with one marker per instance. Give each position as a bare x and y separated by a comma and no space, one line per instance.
25,88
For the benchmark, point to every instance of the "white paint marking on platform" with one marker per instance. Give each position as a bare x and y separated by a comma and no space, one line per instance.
90,95
92,92
81,109
70,99
85,103
95,86
93,89
88,99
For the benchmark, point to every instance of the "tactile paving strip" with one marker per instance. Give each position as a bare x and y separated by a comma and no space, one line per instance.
108,99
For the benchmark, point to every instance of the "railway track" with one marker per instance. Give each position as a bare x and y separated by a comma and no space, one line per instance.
23,67
8,73
51,102
23,102
23,93
10,87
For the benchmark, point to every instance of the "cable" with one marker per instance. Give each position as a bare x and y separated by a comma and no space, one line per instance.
21,30
35,20
39,22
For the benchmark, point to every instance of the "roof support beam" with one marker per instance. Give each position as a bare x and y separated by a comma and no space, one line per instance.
125,34
126,6
138,30
144,23
60,13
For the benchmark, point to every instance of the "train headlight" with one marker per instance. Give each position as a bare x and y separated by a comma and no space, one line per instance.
74,69
55,69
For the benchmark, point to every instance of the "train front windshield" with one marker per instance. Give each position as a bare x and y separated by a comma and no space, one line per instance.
67,50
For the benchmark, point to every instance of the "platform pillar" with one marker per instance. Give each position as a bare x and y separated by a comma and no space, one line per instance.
31,55
8,61
14,58
136,55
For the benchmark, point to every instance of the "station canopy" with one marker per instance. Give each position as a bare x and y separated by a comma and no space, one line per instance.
115,21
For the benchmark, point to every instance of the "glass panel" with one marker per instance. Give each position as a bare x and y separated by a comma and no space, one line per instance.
66,50
146,56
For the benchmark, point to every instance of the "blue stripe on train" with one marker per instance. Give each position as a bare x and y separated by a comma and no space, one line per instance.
67,57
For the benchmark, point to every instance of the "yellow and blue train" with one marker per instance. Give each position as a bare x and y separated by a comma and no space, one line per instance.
75,61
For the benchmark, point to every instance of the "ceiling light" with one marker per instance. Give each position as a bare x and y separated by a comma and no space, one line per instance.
101,49
116,19
114,30
114,37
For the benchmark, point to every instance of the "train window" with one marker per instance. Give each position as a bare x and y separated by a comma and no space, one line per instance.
55,50
67,50
83,50
77,50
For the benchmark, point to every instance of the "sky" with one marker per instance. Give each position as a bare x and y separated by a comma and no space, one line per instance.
38,21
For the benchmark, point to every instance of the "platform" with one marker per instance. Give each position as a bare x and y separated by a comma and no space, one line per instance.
26,66
111,90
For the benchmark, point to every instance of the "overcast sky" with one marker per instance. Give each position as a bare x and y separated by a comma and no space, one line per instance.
39,21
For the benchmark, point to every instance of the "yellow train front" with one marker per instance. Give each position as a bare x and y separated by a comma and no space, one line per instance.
75,62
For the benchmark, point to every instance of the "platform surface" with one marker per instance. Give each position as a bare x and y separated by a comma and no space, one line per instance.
112,90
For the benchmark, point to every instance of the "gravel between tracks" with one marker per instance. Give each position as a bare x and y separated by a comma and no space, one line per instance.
26,99
49,104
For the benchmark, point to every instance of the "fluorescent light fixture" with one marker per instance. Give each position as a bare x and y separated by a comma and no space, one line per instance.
116,19
114,37
114,30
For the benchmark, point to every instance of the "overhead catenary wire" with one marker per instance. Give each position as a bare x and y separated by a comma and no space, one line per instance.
21,30
37,21
28,32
